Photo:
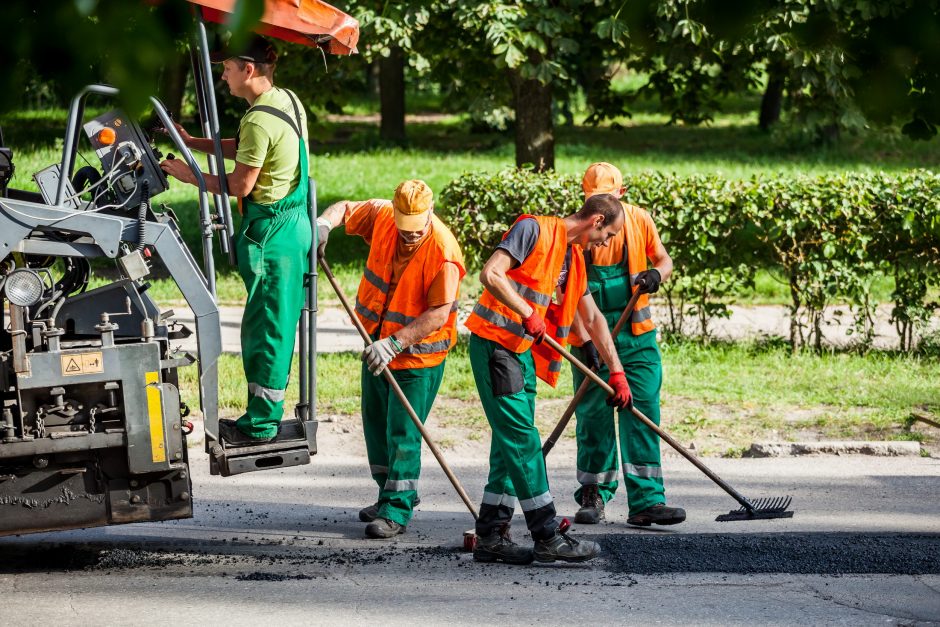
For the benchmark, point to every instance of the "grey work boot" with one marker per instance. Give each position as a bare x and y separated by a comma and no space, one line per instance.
233,436
592,506
659,515
382,528
499,547
370,513
562,546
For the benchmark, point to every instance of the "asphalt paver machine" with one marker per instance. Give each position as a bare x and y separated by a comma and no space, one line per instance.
92,427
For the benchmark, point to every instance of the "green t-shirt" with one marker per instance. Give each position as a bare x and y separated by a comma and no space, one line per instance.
269,143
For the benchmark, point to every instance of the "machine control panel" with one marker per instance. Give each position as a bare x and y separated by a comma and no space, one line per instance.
126,157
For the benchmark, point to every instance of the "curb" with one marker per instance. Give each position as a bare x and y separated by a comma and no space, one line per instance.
878,448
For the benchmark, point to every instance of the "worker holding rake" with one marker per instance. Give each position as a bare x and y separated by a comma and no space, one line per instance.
407,302
614,273
538,257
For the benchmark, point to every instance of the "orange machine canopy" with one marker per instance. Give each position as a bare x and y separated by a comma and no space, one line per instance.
308,22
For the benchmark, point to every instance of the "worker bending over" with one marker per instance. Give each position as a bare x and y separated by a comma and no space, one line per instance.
407,301
272,245
538,257
614,272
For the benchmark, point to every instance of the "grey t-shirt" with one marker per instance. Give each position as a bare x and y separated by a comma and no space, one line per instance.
520,241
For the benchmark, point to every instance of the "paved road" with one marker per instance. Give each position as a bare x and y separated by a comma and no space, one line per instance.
285,547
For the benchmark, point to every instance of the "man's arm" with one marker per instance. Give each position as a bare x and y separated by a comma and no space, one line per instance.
596,326
493,277
335,214
205,144
661,260
428,322
240,181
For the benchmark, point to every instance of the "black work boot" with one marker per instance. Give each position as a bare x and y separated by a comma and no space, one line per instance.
657,514
592,506
370,513
383,528
499,547
562,546
233,436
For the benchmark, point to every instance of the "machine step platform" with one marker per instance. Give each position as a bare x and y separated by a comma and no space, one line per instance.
295,443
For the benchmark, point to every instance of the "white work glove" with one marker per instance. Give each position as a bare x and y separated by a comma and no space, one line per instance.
380,354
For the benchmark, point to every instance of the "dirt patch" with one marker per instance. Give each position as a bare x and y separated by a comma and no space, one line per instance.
798,553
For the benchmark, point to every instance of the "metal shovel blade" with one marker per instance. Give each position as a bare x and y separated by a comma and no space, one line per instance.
761,508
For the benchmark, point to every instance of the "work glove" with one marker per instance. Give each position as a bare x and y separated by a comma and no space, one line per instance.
621,398
323,234
591,358
648,281
534,325
380,354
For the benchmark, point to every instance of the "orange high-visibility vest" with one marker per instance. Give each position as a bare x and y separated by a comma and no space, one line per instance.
410,298
535,280
558,320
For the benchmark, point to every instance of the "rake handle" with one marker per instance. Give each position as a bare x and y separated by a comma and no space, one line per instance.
591,375
399,393
585,384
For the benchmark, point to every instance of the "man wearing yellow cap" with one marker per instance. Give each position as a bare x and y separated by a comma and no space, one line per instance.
407,301
614,273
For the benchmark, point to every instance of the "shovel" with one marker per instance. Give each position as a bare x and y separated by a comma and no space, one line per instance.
469,537
749,510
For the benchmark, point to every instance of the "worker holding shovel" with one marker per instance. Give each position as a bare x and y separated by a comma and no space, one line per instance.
407,302
614,273
538,257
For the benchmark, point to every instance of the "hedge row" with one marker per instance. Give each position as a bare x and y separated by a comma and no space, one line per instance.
827,236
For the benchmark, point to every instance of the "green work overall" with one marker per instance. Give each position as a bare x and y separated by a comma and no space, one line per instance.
597,441
393,442
506,383
272,247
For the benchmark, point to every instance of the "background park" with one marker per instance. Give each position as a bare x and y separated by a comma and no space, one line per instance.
786,149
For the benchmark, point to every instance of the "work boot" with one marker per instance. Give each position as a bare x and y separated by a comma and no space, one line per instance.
499,547
657,514
233,436
384,528
370,513
592,506
562,546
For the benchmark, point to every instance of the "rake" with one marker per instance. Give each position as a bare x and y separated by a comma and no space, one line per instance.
749,510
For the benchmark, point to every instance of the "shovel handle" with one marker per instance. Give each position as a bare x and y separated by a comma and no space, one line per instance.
721,483
585,384
399,393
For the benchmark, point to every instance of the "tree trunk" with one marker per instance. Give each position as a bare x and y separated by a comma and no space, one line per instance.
173,84
772,102
535,133
392,96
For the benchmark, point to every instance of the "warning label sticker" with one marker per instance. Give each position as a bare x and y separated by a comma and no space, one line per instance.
82,363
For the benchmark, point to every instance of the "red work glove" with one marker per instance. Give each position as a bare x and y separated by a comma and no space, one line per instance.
534,325
621,398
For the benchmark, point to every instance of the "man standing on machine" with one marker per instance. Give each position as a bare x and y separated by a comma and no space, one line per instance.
538,257
614,273
273,243
407,302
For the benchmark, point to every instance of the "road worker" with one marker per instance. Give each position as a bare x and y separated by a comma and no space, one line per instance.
407,301
539,257
614,272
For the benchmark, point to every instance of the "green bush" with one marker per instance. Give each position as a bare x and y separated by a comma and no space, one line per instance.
829,236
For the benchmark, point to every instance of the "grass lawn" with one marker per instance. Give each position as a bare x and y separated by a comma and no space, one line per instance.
721,397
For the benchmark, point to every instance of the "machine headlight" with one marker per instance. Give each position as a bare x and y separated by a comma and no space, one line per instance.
24,287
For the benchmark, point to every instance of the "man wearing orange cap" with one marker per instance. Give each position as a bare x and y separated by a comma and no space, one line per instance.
614,273
407,301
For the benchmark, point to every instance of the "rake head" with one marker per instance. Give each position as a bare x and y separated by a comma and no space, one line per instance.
760,509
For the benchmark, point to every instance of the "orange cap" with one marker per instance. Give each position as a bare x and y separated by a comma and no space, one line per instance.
412,202
106,136
601,178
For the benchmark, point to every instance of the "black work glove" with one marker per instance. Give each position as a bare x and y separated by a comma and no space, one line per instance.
591,358
323,234
648,281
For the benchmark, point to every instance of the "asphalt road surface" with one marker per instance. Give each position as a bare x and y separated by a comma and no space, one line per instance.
285,547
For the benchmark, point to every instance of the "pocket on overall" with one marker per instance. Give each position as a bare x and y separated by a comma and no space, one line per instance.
250,248
506,376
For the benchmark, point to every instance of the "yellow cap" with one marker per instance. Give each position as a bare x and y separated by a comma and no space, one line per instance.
601,178
412,202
